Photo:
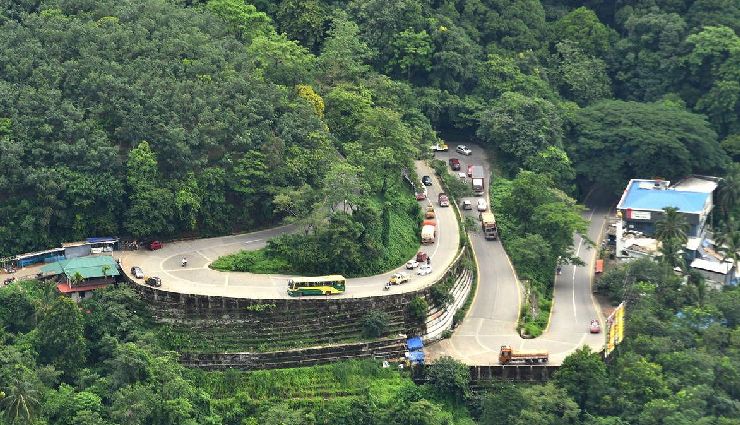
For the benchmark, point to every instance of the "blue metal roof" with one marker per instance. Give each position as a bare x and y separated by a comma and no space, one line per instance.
414,343
638,198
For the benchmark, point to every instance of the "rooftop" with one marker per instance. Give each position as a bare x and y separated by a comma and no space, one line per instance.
89,267
654,195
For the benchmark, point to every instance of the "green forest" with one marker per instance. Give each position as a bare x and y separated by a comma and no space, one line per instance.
172,119
169,119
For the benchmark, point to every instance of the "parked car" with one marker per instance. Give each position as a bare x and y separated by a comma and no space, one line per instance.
421,257
454,164
462,149
420,196
155,245
412,264
461,175
399,278
424,269
137,272
426,181
467,205
482,205
594,327
153,281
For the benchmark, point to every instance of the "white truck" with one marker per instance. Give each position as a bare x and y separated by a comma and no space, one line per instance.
428,232
478,175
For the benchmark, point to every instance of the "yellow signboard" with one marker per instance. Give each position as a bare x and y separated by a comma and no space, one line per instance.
615,329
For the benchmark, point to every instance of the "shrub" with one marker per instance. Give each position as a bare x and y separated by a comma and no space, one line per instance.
375,324
440,294
418,309
449,378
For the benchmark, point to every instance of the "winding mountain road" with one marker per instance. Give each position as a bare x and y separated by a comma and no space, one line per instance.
197,278
492,318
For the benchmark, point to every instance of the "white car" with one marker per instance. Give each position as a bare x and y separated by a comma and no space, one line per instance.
424,269
463,150
467,205
412,264
482,206
398,278
461,175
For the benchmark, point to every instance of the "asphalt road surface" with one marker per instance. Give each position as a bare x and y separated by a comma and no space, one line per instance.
491,320
197,278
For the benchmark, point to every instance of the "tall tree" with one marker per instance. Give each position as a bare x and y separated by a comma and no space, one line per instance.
671,226
61,337
584,376
21,402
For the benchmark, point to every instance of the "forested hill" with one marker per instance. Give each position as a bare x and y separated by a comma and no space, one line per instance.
246,108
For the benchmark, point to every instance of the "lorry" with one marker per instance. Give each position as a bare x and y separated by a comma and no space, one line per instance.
440,147
444,200
508,355
429,213
428,232
478,175
488,223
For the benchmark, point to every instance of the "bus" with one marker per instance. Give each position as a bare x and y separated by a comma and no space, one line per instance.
319,285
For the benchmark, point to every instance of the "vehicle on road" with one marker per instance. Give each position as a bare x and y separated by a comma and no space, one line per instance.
412,264
429,212
461,175
399,278
319,285
594,327
440,147
421,257
137,272
462,149
508,355
426,181
470,170
478,177
467,205
153,281
428,232
420,196
488,224
481,205
155,245
454,164
444,200
424,269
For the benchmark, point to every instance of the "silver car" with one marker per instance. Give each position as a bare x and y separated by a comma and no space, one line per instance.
137,272
462,149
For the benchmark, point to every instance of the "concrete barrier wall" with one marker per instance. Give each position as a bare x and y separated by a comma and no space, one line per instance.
533,373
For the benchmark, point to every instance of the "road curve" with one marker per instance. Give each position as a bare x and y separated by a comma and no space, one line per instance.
197,278
492,318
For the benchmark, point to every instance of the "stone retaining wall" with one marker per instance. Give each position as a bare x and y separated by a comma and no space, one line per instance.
387,349
250,325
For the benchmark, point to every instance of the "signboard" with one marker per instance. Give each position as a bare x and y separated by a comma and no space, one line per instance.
637,215
614,329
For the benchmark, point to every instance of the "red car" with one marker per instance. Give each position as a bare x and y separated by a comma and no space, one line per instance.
594,328
421,257
455,164
155,245
470,171
420,196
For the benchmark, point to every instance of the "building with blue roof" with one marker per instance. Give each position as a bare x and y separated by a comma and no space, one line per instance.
643,201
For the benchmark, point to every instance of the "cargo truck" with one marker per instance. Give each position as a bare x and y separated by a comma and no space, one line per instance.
478,175
444,200
428,234
508,355
488,223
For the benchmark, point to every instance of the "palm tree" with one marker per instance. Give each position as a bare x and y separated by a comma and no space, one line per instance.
105,270
20,402
76,279
729,192
728,242
672,254
672,226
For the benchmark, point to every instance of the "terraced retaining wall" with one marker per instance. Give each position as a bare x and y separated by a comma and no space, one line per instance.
238,325
386,349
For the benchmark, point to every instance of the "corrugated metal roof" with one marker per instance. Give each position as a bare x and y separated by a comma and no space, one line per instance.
712,266
89,267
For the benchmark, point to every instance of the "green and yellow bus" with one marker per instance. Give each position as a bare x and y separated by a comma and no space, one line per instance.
319,285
